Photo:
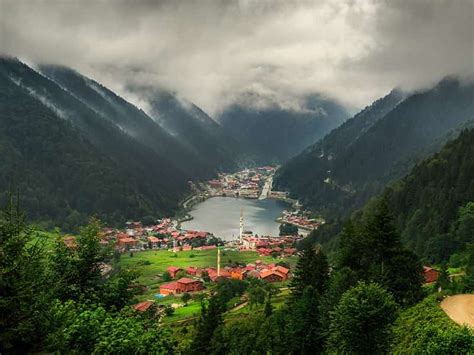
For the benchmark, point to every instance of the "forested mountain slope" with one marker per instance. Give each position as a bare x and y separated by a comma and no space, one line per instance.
69,163
337,184
305,174
274,134
192,127
130,120
431,204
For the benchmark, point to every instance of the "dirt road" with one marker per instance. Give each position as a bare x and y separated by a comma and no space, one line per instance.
460,308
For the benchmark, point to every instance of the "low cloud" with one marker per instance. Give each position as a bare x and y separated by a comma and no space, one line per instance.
214,52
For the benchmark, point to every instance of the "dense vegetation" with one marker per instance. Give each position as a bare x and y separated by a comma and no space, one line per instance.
273,134
376,147
433,204
58,300
425,328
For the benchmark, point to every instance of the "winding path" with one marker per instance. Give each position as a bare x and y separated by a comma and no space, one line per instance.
460,308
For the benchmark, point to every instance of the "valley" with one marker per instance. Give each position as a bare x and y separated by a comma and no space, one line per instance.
236,177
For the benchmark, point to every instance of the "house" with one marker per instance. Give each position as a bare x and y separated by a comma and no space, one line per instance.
154,241
169,288
290,251
430,274
173,270
191,270
238,274
271,276
253,273
143,306
182,285
189,285
126,242
283,271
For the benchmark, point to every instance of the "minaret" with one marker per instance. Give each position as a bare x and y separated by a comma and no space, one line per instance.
241,225
218,261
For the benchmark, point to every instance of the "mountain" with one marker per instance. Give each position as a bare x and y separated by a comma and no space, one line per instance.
191,126
432,206
132,121
274,134
428,201
68,161
401,133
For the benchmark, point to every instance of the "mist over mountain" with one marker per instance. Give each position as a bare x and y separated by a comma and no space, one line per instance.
68,162
273,132
153,133
349,166
191,126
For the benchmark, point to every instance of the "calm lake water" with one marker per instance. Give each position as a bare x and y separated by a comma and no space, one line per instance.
220,215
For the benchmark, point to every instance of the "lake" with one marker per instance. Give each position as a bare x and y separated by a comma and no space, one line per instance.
220,216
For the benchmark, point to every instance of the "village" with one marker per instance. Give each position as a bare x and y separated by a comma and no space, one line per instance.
174,261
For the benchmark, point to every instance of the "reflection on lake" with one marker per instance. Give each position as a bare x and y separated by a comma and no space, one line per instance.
220,216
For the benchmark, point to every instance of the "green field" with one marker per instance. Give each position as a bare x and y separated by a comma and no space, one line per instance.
152,263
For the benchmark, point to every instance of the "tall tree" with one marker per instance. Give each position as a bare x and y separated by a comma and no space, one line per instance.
360,323
208,322
77,266
304,325
372,249
312,270
24,295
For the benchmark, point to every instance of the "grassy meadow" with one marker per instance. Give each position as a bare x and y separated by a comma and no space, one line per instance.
152,263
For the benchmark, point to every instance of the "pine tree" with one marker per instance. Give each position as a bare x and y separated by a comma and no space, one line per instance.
382,238
208,322
24,294
304,324
312,270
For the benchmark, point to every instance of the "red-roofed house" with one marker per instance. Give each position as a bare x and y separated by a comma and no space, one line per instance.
173,270
238,274
253,273
169,288
189,285
271,276
283,271
143,306
182,285
191,270
250,267
430,274
154,241
126,242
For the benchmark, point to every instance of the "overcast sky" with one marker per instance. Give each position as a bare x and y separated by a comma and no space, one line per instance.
212,51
